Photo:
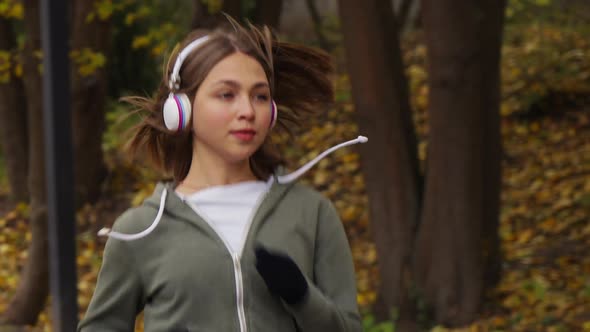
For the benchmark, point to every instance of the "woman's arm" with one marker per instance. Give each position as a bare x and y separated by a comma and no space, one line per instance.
117,298
329,302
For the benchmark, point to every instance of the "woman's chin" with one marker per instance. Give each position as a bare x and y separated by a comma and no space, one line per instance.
236,157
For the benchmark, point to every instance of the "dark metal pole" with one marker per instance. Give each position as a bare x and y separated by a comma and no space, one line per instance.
58,156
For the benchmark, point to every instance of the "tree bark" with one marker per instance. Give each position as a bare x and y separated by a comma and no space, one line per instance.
201,16
458,234
268,12
407,14
33,287
389,161
203,19
401,9
233,8
317,24
88,104
13,122
413,19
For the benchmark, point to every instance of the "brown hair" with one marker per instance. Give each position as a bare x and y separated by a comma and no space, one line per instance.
299,78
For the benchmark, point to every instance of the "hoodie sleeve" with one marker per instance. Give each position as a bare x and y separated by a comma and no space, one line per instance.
331,304
117,297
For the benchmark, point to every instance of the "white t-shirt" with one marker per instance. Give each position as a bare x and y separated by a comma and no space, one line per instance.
229,209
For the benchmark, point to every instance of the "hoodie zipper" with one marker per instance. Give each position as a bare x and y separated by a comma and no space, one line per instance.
236,257
239,292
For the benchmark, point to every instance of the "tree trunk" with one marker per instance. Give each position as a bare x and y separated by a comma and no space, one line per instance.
233,8
33,287
460,215
13,122
203,19
201,16
380,93
413,17
268,12
406,14
402,9
317,24
492,263
88,104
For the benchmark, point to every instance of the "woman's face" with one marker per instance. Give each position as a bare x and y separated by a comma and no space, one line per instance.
232,110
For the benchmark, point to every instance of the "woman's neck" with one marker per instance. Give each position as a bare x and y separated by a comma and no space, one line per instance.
205,173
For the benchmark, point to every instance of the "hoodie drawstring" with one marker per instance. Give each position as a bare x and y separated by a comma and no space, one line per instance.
287,178
296,174
130,237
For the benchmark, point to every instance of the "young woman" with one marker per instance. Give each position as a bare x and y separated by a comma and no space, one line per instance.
230,244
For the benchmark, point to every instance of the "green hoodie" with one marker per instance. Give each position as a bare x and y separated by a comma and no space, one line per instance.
184,278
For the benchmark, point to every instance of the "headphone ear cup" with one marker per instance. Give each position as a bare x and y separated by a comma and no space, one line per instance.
177,112
274,113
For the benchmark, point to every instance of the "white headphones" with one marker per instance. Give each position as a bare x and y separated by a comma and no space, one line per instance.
177,109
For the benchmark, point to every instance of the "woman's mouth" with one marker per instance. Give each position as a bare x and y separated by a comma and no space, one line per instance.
244,135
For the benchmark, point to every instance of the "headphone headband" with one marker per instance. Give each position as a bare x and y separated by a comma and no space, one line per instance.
174,82
177,109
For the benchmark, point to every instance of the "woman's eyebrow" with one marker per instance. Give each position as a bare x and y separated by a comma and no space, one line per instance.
235,84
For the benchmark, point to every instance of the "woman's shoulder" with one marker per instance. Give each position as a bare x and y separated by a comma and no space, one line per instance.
307,194
305,197
134,219
137,218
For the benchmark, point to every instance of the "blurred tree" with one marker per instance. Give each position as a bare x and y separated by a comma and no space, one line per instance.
89,40
268,12
142,32
407,14
33,286
13,115
390,163
457,253
317,24
454,248
209,13
90,44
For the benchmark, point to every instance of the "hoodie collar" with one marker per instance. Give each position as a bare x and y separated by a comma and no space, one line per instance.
176,207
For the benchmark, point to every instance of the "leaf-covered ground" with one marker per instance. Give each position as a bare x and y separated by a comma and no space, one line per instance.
545,191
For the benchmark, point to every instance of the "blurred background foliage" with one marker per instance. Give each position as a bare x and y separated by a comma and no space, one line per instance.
545,130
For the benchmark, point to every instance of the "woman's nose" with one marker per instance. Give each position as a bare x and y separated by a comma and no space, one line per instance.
246,109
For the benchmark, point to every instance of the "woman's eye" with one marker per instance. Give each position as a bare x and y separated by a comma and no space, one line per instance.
263,97
226,95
